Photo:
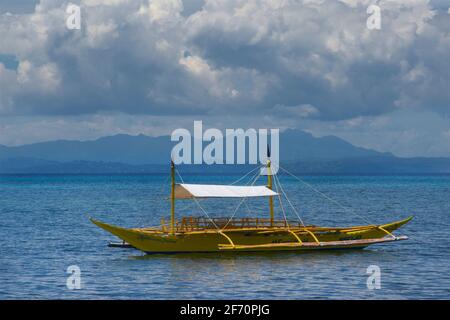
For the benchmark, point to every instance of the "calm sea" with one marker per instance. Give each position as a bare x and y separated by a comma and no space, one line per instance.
44,229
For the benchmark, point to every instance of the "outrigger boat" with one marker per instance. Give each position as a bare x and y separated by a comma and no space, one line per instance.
205,234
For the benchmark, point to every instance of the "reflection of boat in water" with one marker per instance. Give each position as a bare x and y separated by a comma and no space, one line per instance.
205,234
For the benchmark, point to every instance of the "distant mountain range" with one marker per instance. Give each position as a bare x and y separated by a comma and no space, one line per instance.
138,150
300,151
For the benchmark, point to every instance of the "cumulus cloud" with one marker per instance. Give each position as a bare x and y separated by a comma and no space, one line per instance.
228,56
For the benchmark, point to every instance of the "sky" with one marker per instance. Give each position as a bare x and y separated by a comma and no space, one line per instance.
151,66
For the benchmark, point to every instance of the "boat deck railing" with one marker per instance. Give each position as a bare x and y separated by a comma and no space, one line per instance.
188,224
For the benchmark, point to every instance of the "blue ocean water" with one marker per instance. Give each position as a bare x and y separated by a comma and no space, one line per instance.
44,229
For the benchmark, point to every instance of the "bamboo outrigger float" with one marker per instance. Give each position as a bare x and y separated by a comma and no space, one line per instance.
199,234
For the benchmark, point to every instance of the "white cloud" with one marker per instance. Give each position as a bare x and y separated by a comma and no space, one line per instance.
163,9
44,77
98,34
93,3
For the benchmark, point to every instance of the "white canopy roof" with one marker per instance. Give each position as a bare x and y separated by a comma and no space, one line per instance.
189,191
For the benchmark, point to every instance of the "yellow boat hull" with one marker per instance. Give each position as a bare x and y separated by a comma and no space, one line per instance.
255,239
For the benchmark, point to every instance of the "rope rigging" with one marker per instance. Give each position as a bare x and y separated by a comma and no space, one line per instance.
281,202
242,201
289,201
280,192
248,173
325,196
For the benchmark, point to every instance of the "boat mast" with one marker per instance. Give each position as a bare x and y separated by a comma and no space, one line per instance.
172,198
269,185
